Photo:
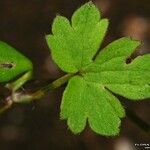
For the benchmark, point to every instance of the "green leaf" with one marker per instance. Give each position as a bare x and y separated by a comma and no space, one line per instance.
122,47
139,85
73,106
79,41
110,69
92,102
88,96
12,63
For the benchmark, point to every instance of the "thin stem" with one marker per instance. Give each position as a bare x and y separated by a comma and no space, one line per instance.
138,121
28,97
14,86
21,97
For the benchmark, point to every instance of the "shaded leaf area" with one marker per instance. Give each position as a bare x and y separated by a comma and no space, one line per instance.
86,98
12,63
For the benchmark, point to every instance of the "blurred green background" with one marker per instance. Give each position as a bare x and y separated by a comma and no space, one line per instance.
36,126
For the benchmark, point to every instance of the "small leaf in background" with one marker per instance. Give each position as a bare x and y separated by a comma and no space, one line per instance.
12,63
88,97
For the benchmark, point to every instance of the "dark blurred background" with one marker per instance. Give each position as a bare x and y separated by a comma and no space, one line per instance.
36,126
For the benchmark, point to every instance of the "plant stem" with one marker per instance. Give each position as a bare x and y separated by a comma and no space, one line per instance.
14,86
20,97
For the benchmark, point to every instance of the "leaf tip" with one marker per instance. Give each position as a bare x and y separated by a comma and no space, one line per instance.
74,127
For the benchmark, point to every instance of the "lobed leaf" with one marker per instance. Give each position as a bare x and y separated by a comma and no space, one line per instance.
87,97
79,41
90,101
128,80
122,47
